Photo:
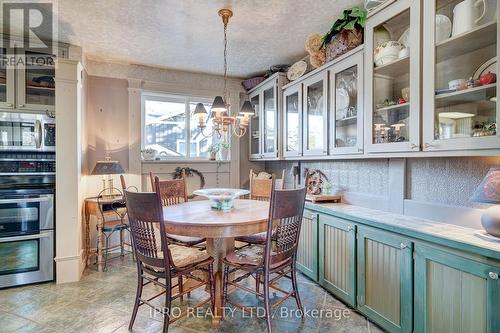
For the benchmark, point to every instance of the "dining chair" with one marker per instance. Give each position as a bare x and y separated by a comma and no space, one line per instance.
163,261
260,189
277,256
174,192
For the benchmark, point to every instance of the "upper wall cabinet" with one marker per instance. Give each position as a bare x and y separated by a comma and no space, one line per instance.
264,125
393,78
459,93
315,109
346,108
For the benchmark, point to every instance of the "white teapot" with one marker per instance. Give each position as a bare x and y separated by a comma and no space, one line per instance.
467,14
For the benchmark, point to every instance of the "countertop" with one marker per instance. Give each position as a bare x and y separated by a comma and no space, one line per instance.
450,235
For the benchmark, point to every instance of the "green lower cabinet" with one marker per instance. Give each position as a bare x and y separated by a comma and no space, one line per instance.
385,279
337,257
455,294
307,252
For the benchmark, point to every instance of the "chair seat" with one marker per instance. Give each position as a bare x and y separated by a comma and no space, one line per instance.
186,256
189,241
114,225
249,255
259,238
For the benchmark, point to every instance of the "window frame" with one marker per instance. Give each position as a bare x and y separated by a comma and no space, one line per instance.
168,97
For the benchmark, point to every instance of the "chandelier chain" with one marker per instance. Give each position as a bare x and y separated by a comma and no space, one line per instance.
225,62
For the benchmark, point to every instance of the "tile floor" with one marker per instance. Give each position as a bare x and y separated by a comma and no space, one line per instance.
102,302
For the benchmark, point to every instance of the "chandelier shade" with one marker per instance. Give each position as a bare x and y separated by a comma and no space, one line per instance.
247,109
218,105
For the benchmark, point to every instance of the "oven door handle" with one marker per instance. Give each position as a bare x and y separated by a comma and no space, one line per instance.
26,237
38,133
24,200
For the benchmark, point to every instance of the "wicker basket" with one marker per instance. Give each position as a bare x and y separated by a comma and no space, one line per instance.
343,42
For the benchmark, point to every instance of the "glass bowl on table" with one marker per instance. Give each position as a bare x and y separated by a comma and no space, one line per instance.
221,198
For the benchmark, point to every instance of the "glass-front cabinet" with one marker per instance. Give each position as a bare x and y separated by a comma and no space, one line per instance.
292,121
264,125
6,80
460,50
346,110
35,82
393,78
255,127
315,108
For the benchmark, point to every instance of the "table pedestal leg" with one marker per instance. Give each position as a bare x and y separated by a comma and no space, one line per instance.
217,248
100,241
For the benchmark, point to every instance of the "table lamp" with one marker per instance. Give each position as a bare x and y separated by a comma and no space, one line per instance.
107,168
489,192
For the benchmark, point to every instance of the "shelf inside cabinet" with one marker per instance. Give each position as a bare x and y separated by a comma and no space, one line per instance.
472,40
40,88
393,107
394,69
347,121
477,94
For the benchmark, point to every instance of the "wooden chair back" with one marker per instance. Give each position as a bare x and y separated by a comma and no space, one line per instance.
260,189
285,219
172,192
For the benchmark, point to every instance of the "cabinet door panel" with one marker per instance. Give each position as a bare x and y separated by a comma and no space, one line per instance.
337,264
393,82
7,85
385,279
307,252
454,294
346,111
315,115
36,82
465,117
255,131
292,121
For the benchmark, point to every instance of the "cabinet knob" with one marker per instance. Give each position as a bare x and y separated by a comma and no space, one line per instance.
427,145
493,275
350,228
21,105
403,246
10,105
412,145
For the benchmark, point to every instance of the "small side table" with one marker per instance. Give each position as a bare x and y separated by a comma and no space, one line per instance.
100,208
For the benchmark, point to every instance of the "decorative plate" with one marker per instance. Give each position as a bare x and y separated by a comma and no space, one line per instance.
221,198
296,70
443,28
488,66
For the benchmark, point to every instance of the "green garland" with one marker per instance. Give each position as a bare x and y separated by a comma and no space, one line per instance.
190,172
352,19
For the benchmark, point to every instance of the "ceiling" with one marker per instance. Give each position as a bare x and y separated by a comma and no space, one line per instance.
188,34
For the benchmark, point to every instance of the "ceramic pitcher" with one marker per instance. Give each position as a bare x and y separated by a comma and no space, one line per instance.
467,14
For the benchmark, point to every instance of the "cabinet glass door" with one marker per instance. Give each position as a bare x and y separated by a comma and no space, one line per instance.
255,128
293,122
270,123
393,43
460,105
346,81
6,80
315,117
36,86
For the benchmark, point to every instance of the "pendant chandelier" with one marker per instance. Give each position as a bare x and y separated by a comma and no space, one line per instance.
224,124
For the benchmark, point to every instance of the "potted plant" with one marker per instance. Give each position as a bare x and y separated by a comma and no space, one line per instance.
213,149
346,33
224,150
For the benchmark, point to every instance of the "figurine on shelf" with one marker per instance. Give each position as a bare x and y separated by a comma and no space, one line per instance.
488,78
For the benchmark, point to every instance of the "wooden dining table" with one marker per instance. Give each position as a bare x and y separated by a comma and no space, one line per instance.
197,219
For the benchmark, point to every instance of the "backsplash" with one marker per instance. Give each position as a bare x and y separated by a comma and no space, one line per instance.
447,181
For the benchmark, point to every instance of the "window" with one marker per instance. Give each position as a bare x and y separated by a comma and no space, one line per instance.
171,129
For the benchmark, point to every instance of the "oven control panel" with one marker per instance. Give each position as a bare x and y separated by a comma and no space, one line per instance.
32,163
